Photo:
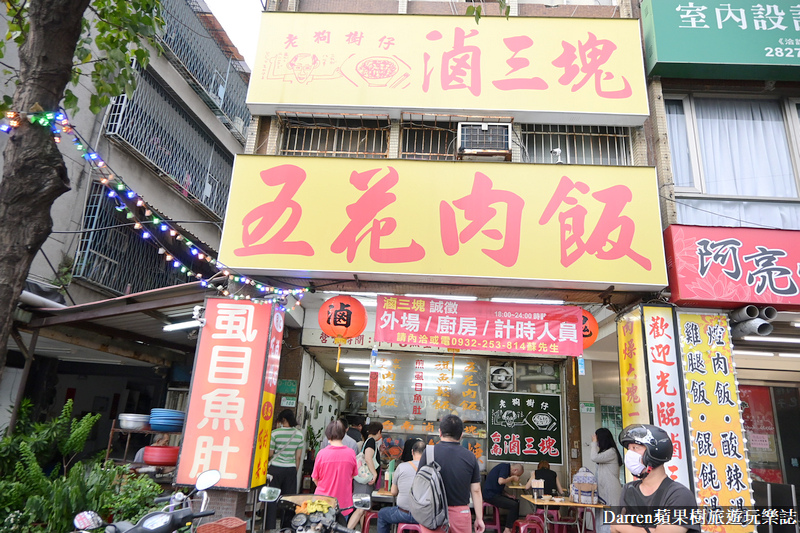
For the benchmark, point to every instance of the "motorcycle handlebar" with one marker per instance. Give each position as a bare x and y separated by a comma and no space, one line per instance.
209,513
161,499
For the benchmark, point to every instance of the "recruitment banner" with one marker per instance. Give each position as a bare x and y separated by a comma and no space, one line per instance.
499,327
722,477
525,428
226,393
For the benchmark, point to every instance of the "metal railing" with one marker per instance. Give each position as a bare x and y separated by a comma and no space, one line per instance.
428,140
578,145
214,74
116,257
153,127
324,136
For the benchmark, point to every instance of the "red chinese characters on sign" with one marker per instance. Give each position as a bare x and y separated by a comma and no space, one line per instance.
260,221
220,430
363,214
587,60
477,209
458,62
480,325
600,242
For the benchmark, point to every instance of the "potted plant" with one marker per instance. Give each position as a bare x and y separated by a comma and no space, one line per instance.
314,439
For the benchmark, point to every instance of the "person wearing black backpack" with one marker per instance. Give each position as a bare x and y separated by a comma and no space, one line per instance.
461,476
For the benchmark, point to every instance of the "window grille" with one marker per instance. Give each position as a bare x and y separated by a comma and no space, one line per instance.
157,130
578,145
360,137
117,258
216,71
429,140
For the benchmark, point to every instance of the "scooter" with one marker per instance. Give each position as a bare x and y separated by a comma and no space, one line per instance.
313,513
177,514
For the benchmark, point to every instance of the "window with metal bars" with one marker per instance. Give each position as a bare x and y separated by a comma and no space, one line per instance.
430,141
335,137
576,145
115,257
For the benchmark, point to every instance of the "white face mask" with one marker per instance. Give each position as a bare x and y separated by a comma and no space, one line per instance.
633,462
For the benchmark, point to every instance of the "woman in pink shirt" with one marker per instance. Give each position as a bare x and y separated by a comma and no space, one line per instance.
335,466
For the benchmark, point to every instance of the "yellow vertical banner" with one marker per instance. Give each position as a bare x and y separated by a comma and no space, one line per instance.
632,369
722,479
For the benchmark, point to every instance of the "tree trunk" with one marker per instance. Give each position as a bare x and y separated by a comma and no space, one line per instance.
34,173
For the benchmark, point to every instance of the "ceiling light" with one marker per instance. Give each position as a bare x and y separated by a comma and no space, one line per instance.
359,378
795,323
750,352
759,338
361,384
182,325
781,354
355,370
444,297
352,361
527,301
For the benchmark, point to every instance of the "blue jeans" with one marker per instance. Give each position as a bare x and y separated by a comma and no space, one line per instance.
392,515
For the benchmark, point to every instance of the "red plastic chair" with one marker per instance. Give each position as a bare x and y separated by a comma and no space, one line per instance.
528,526
368,516
495,522
409,527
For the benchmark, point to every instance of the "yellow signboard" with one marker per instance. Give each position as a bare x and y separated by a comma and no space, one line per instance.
587,71
722,477
447,222
632,369
264,428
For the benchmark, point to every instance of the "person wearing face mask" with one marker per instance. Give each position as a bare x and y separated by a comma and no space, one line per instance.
647,448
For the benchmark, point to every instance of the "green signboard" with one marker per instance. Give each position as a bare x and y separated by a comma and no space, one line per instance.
287,386
722,40
525,427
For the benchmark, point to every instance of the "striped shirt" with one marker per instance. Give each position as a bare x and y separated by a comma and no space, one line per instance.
280,436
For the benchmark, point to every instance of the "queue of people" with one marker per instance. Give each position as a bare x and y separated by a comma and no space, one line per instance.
647,447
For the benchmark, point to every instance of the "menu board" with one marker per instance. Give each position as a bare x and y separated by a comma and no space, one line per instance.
524,427
427,387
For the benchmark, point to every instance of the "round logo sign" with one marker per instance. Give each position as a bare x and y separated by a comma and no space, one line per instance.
590,329
266,410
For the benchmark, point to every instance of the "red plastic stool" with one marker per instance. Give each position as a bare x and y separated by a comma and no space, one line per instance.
495,523
409,527
557,528
368,515
527,526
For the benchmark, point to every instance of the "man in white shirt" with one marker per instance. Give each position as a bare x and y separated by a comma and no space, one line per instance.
401,489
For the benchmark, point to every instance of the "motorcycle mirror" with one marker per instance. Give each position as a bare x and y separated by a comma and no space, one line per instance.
207,479
269,494
362,501
87,520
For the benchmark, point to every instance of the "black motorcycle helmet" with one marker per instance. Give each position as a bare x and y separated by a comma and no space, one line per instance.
655,439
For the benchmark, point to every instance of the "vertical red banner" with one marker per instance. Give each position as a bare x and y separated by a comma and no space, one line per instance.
225,394
372,395
267,411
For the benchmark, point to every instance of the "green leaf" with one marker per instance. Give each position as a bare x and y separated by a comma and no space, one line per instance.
478,15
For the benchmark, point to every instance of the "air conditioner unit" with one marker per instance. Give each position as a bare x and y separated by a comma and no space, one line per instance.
484,141
333,389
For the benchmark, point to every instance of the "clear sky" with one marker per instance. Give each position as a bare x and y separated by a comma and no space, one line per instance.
241,20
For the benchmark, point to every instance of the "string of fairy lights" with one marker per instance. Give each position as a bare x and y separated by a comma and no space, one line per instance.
151,225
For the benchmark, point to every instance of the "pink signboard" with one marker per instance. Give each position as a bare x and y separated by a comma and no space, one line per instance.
496,327
728,267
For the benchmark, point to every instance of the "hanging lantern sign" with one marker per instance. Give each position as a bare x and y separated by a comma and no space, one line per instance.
342,317
590,329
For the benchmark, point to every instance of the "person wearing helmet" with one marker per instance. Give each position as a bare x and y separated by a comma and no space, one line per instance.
647,448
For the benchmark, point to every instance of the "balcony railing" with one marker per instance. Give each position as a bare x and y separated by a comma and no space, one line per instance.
153,127
116,258
213,73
